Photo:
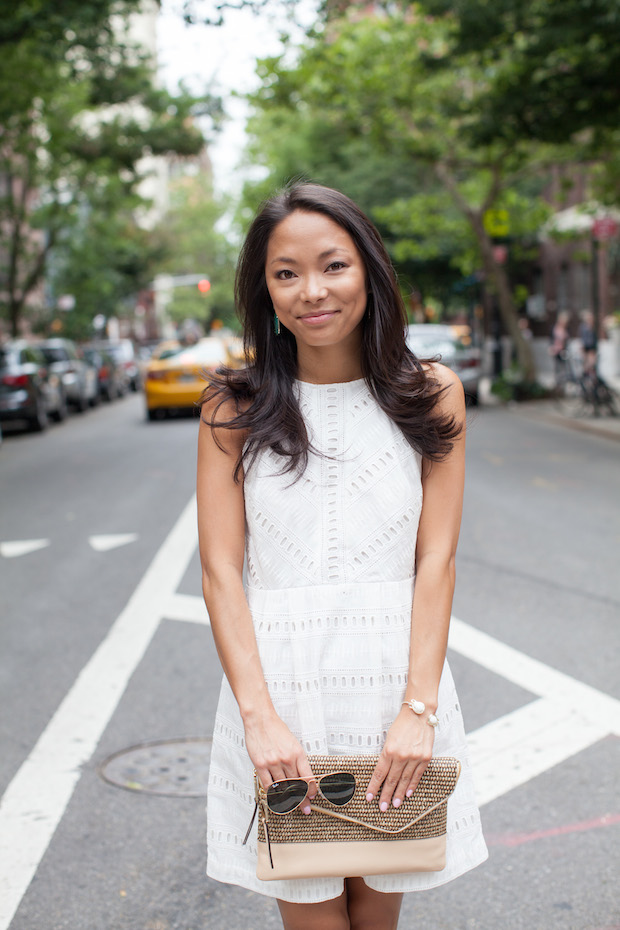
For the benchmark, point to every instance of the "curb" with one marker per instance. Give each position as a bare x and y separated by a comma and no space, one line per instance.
595,428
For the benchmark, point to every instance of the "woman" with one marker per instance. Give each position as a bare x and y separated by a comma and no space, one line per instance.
334,462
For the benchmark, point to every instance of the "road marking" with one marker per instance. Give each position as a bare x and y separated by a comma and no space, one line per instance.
111,541
534,675
567,717
584,826
188,608
14,548
37,797
514,749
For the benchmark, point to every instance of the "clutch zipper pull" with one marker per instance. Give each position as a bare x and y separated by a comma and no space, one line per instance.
257,801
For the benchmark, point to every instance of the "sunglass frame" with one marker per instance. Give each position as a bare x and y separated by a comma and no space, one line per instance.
309,778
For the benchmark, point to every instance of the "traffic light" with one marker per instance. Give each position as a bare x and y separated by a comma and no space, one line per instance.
204,285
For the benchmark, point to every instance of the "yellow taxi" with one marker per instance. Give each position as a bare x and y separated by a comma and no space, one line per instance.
177,378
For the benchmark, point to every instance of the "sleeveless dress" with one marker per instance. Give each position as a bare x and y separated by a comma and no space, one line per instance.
329,581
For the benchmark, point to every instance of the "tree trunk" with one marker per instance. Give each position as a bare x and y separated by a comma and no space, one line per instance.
495,272
15,308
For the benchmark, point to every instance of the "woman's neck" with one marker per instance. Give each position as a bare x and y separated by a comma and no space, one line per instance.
328,364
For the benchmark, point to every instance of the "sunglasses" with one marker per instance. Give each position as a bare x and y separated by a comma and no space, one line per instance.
287,795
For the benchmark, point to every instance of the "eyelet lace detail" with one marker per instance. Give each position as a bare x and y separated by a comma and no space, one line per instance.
330,577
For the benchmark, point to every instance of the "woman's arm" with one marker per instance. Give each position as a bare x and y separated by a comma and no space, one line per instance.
273,749
409,744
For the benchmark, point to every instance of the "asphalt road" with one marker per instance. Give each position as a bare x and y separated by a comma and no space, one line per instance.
105,646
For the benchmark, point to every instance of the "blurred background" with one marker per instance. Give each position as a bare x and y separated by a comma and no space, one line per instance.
136,141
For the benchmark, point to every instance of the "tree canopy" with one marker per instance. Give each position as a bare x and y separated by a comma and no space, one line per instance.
411,122
79,112
553,67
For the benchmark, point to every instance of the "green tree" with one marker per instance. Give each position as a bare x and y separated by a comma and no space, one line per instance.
552,67
79,111
103,261
194,245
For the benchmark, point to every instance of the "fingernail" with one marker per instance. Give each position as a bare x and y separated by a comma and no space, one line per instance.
396,802
306,809
383,806
369,796
409,792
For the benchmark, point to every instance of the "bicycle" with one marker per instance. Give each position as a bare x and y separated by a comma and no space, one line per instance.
585,393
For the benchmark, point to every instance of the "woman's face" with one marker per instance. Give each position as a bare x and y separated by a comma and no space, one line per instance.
316,279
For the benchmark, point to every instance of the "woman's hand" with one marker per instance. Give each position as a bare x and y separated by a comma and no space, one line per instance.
276,753
403,759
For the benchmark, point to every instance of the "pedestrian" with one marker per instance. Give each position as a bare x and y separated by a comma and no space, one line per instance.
589,342
334,462
558,347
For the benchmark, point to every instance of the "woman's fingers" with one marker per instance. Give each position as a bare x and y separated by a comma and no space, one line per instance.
400,792
378,776
285,766
393,778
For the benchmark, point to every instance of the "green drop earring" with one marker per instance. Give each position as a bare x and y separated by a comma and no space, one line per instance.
276,324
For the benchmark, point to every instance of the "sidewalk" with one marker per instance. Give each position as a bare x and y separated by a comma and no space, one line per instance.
607,427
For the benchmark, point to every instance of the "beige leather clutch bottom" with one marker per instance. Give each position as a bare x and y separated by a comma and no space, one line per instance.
356,838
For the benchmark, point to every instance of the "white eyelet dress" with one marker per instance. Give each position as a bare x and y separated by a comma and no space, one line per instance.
330,561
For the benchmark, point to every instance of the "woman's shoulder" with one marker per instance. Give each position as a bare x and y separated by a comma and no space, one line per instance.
445,378
449,386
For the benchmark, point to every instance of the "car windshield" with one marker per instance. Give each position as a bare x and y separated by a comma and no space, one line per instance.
433,341
54,353
121,351
430,346
209,352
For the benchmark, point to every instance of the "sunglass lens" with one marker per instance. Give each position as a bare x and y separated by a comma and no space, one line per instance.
284,796
338,788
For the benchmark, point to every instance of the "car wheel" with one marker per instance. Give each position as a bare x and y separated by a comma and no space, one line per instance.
61,411
39,421
82,403
157,414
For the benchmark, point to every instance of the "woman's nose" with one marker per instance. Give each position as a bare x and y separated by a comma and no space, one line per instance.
313,288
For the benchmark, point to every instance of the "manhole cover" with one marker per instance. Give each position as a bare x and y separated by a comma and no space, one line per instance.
175,767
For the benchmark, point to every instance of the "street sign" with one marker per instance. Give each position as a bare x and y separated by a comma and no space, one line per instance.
496,223
605,228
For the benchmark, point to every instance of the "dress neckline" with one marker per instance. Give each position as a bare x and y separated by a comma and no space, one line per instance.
331,384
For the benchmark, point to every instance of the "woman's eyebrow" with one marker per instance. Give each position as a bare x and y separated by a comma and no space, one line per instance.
283,258
323,255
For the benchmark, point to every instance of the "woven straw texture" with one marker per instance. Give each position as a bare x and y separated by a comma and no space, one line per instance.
436,785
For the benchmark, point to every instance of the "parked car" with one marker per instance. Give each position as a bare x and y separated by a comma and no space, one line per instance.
177,379
446,343
111,377
78,378
124,353
29,390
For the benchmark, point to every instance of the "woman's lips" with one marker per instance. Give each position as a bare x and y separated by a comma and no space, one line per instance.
314,319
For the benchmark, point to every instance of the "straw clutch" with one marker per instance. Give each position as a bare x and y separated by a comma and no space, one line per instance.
357,839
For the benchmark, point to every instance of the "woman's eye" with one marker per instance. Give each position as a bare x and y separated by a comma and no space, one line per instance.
336,266
285,274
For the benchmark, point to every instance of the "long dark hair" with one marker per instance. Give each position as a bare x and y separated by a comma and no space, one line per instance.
263,393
